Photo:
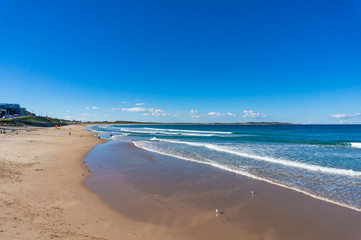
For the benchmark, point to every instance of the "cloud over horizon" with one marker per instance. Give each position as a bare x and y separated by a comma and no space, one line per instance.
147,111
135,109
94,108
342,115
215,114
195,113
253,114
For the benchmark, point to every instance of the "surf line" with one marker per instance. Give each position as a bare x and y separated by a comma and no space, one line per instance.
310,167
246,174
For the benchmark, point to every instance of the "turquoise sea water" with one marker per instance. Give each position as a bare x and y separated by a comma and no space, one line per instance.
323,161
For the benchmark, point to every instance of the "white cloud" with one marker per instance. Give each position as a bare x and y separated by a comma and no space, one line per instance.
135,109
139,104
253,114
157,114
84,114
342,115
67,117
125,102
94,108
218,114
215,114
338,115
156,110
147,111
195,113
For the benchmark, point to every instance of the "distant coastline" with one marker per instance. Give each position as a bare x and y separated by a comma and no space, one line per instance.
187,123
41,121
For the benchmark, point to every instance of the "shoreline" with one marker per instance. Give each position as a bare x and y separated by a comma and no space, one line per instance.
183,195
310,167
245,174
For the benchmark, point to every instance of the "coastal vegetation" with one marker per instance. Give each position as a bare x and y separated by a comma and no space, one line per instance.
8,122
34,121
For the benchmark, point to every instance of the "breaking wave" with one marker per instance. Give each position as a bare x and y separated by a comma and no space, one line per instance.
309,167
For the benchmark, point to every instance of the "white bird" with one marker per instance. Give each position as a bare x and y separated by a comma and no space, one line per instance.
218,212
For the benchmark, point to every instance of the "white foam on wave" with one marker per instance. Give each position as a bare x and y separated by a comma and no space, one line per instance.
356,144
189,131
159,131
253,176
136,130
107,127
118,136
179,132
306,166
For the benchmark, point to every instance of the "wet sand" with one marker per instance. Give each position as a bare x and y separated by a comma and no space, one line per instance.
181,197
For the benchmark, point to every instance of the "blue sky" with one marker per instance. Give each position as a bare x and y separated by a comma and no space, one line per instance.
183,61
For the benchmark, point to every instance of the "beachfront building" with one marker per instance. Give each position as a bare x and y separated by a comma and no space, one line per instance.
9,110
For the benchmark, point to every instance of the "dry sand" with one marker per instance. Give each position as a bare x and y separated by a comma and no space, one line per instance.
41,191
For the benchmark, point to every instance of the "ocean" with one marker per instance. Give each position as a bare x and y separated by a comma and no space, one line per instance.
322,161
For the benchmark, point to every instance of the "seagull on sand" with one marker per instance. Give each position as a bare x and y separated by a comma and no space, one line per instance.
218,212
253,194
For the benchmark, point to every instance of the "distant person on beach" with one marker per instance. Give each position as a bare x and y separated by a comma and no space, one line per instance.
69,133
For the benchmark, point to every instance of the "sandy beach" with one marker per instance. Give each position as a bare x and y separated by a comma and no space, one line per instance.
136,194
42,195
